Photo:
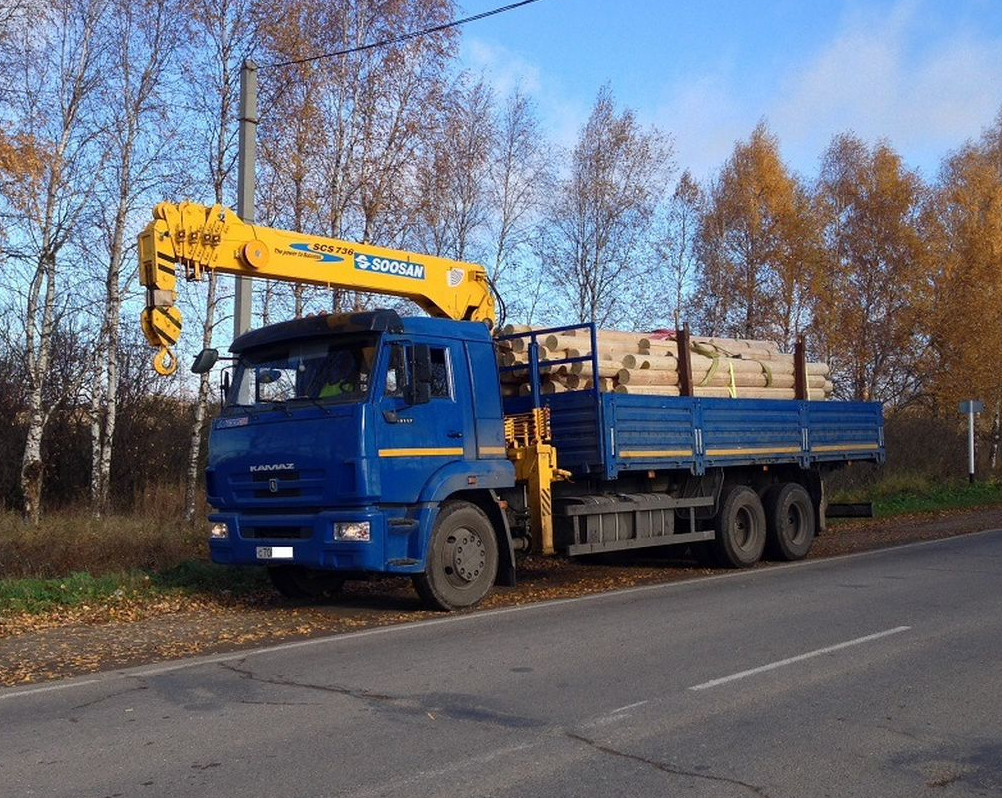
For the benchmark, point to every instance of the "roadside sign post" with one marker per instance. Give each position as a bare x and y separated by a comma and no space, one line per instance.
970,408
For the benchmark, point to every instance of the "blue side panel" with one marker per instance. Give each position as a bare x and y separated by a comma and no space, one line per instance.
621,432
651,432
751,431
845,431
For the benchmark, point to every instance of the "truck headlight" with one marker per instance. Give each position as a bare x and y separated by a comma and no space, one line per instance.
356,531
219,531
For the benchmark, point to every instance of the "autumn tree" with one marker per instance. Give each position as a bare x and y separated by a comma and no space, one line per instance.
595,243
373,109
756,246
871,292
965,324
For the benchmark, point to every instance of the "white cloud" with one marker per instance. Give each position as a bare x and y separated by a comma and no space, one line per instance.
705,120
505,70
881,77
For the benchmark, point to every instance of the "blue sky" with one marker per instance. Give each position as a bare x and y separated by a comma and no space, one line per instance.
926,75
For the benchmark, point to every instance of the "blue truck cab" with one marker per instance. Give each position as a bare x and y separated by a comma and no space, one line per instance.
344,437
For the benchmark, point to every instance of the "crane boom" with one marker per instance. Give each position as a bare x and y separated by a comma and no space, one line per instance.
200,239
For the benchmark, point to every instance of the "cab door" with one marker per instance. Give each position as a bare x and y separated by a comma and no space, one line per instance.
420,430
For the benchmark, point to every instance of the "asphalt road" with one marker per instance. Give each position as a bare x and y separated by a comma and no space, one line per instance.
872,675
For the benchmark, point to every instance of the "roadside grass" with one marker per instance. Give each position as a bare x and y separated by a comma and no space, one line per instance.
195,579
905,494
74,560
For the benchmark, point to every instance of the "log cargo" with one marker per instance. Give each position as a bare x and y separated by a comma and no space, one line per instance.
641,363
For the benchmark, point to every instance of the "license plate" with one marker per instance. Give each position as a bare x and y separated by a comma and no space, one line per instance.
274,552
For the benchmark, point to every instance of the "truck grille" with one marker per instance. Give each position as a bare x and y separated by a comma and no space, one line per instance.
276,532
272,487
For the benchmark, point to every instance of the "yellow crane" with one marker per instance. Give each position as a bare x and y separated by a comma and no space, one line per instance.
190,239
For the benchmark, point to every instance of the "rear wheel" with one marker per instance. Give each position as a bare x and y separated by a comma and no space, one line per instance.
790,524
740,524
462,559
294,581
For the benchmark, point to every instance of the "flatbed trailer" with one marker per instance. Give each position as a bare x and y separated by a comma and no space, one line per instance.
645,470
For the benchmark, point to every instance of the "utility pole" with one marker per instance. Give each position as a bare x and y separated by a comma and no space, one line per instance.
242,303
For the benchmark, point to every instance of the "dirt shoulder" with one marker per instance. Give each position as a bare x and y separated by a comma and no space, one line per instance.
125,633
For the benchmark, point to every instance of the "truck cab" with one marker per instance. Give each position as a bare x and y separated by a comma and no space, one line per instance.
347,441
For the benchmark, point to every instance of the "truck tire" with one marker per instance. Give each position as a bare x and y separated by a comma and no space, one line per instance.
296,582
790,522
462,559
740,522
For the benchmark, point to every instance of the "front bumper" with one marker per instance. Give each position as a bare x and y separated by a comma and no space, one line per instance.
396,543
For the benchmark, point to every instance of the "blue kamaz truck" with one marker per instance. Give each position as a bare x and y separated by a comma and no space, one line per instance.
371,443
412,471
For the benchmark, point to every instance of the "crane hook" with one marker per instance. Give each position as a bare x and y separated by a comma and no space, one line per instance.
165,361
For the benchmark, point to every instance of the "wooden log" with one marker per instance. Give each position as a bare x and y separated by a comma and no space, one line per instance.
646,377
737,344
606,368
656,346
649,362
648,390
608,335
512,329
702,363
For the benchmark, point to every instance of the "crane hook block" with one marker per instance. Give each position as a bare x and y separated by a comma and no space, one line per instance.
165,361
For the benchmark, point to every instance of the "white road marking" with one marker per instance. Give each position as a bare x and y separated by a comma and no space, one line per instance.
799,658
48,688
470,764
628,706
614,716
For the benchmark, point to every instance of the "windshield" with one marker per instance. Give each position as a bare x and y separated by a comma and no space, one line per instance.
320,371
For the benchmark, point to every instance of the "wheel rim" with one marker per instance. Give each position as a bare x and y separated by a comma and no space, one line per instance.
465,557
794,530
743,529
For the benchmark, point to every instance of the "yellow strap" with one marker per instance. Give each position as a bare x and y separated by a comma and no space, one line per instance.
734,388
768,373
711,371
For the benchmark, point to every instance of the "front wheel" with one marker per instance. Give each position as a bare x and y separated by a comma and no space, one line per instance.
740,524
462,559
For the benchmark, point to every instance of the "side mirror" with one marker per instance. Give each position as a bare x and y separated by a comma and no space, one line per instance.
204,361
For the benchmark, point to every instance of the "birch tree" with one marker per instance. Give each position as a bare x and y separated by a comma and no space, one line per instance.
676,246
55,67
453,173
596,234
521,175
142,37
226,34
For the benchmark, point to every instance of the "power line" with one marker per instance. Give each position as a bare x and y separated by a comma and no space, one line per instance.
402,38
